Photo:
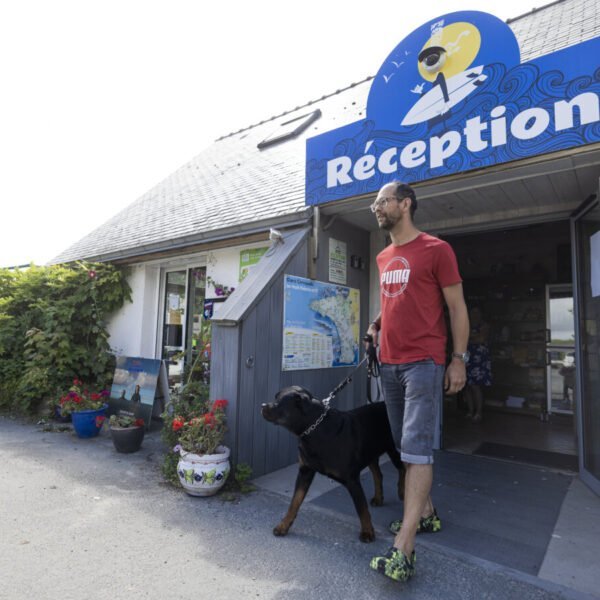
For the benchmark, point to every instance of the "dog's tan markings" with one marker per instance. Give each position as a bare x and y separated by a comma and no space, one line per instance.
377,499
303,481
367,533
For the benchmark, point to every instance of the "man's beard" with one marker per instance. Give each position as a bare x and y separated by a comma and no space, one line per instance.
387,223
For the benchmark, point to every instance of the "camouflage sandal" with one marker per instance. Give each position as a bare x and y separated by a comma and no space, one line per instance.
395,565
430,524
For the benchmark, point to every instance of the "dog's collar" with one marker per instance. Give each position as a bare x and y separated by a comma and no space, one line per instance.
310,429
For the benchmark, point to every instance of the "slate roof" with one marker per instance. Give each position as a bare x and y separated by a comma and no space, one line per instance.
268,185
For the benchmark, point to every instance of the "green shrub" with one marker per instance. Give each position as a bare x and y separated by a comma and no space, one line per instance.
53,329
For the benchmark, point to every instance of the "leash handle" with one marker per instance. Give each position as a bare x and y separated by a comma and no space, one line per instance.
372,366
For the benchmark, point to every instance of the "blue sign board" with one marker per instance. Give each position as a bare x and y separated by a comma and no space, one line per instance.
454,96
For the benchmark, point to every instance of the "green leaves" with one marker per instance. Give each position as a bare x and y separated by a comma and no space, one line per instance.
53,327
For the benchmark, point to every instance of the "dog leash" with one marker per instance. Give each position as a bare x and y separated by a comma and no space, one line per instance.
343,384
372,371
372,367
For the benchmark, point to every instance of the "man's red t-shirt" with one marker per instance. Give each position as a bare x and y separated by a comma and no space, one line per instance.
411,278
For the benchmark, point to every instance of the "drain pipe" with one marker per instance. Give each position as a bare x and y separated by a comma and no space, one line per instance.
313,253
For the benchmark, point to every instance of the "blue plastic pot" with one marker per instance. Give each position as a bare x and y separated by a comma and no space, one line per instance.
84,422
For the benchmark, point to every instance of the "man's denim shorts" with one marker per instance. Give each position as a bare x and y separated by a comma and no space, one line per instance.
413,393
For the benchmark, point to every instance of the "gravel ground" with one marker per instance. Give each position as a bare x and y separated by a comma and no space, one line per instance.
78,520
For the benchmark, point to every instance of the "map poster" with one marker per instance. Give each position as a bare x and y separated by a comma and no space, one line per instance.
320,325
337,261
134,387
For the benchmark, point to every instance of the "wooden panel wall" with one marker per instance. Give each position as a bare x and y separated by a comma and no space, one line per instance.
263,445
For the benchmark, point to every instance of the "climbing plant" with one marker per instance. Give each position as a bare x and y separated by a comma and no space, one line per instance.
53,328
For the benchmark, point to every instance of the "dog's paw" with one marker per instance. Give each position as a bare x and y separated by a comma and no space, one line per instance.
280,530
367,536
375,501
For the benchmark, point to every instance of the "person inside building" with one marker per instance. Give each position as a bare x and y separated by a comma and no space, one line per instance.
479,366
418,273
135,397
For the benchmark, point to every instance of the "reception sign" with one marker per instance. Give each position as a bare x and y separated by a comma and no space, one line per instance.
454,96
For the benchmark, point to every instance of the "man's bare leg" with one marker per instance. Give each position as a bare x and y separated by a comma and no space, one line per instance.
417,486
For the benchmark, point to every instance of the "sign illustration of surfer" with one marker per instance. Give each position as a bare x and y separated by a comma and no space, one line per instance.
445,61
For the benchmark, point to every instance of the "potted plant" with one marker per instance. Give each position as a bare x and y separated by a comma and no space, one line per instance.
127,432
203,465
87,409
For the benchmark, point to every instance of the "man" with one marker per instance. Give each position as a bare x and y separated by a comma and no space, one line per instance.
418,272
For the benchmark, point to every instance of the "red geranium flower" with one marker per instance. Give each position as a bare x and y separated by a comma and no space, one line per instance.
220,404
139,422
99,420
178,423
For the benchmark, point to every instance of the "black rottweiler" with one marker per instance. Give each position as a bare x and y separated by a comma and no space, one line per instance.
339,444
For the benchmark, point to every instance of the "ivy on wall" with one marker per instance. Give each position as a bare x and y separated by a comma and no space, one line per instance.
53,329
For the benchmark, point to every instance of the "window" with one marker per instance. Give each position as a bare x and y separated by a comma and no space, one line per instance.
290,129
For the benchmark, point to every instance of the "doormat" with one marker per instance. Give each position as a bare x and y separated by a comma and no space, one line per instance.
500,511
543,458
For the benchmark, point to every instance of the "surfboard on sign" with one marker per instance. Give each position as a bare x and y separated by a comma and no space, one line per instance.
432,104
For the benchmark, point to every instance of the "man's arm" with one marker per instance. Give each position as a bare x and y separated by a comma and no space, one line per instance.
456,375
374,327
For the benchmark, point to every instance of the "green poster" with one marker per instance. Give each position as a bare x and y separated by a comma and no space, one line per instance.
248,259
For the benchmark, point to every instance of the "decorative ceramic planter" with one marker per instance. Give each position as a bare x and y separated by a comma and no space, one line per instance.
127,439
203,475
85,422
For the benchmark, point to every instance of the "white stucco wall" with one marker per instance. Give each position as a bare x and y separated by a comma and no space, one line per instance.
133,328
223,266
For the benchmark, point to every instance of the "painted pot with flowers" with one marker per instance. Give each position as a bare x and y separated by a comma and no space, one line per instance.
203,466
127,432
87,409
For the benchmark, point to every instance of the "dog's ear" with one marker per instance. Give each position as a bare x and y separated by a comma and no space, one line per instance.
304,393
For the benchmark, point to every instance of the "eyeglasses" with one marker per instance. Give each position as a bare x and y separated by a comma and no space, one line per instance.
381,203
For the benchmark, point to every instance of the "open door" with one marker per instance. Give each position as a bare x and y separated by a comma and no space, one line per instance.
585,239
560,349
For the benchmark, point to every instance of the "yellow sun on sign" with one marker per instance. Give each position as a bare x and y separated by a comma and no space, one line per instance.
461,42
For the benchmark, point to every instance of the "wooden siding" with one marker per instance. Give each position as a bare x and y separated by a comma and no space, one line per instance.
253,375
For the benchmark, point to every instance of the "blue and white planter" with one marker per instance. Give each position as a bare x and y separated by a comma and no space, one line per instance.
203,475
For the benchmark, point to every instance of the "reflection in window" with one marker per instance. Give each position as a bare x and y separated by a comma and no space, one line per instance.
174,318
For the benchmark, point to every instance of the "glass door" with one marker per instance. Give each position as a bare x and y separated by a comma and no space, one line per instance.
585,236
173,338
560,349
186,332
197,353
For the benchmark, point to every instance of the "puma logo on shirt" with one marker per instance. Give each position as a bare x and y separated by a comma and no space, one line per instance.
394,277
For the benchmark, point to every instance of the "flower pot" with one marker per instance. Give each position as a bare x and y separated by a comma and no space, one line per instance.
58,417
203,475
127,439
85,423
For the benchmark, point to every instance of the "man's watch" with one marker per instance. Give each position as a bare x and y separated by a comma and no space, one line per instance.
464,356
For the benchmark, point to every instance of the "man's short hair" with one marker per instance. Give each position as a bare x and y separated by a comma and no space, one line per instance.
403,190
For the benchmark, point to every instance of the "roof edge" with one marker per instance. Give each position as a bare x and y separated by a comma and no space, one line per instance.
138,252
533,11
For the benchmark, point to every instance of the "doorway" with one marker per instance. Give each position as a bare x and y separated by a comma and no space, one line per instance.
560,350
520,281
185,333
586,241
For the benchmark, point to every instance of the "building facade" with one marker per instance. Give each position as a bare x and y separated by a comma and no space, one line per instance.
497,127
